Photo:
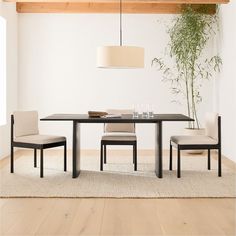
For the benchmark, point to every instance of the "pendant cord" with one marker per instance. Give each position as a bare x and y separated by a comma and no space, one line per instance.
120,22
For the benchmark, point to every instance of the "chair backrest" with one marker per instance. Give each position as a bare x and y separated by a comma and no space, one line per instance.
119,127
212,125
25,123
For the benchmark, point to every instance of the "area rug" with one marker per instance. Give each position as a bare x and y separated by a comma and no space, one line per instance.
118,180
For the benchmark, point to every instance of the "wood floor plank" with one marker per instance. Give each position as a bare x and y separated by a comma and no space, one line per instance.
88,217
202,222
130,217
2,202
220,214
171,218
196,217
24,215
60,217
10,213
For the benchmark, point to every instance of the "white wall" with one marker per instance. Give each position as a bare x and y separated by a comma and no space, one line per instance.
57,69
8,11
58,74
227,83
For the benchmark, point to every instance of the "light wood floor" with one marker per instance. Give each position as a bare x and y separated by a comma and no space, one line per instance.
93,216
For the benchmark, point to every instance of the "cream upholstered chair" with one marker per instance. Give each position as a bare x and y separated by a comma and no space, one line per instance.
211,140
25,134
118,134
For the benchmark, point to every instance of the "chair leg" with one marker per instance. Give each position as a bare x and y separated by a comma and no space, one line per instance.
178,164
135,156
41,163
35,157
219,162
101,158
170,163
105,154
209,159
65,157
12,159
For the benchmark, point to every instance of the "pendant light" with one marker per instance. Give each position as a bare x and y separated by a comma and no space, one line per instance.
120,56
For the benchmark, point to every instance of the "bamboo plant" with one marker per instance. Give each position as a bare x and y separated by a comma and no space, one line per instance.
189,34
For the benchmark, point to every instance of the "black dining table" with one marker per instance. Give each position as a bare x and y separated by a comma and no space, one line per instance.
78,119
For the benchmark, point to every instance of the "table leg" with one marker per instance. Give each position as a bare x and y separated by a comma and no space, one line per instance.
76,150
158,149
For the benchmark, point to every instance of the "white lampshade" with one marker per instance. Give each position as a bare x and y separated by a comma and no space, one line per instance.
120,57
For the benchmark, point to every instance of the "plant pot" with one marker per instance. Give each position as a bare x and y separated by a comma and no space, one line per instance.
193,132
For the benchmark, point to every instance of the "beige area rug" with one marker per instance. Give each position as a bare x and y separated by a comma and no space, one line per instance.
117,180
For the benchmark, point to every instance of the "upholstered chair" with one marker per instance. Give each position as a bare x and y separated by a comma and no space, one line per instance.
211,140
25,134
118,134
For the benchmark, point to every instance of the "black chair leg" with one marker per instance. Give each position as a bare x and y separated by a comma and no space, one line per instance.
35,157
209,159
41,163
65,157
178,164
12,159
135,156
101,158
105,154
170,163
219,162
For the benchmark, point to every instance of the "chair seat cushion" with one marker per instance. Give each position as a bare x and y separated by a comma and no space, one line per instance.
40,139
119,136
189,140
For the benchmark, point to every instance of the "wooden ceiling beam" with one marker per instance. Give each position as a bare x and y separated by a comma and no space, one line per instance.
109,6
134,1
103,7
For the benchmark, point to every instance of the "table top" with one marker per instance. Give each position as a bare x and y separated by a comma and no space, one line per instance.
125,118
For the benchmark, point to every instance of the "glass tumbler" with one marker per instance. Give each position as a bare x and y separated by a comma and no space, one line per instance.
150,111
145,111
135,111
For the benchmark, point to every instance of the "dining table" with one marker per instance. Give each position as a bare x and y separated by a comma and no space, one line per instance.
78,119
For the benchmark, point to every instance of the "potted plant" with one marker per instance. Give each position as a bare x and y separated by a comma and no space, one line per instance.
189,35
